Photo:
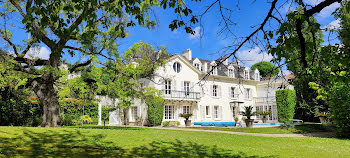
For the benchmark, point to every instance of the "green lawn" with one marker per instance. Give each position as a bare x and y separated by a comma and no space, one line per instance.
141,142
305,128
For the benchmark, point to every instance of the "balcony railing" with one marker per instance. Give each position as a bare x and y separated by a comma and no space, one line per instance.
180,94
265,99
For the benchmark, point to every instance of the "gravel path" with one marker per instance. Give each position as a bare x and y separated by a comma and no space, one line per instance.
319,134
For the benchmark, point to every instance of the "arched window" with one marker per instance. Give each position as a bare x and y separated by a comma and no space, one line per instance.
177,67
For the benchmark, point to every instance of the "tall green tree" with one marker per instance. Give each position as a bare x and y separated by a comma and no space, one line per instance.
266,69
89,28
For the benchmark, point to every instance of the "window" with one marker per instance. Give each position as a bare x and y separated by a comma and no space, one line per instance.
233,112
168,112
187,109
187,88
207,110
214,71
257,76
246,74
215,90
232,92
134,113
177,67
230,73
247,93
216,112
198,66
167,87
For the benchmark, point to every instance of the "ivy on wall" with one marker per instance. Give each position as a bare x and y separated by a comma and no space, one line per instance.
155,110
285,100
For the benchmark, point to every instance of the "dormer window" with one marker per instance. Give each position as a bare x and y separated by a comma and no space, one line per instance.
214,70
231,73
198,66
257,76
246,74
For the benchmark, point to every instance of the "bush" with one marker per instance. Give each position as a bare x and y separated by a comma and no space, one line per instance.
155,110
339,101
171,123
68,120
285,100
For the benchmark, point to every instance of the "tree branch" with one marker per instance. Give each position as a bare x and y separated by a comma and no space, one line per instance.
80,65
9,42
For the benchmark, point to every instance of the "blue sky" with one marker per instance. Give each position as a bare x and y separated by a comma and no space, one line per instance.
247,14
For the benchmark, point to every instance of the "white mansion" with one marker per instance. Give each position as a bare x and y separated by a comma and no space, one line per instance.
218,98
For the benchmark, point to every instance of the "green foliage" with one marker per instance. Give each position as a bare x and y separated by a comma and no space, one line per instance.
105,112
186,116
266,69
85,119
155,110
248,112
264,113
285,100
171,123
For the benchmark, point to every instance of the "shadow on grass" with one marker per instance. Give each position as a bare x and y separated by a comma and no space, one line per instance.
80,144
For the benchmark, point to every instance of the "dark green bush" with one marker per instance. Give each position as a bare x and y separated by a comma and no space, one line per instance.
339,101
155,110
285,100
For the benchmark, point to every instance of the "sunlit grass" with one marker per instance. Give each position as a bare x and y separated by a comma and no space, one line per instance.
145,142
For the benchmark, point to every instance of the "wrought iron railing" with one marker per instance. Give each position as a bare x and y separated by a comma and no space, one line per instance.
180,94
265,99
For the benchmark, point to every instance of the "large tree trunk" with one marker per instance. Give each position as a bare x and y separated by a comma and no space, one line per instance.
47,95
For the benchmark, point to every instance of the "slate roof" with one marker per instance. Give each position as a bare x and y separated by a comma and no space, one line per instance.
223,69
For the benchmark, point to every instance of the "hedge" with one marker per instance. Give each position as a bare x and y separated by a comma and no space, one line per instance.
285,100
155,110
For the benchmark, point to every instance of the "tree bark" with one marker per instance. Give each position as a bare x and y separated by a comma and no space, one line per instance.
47,96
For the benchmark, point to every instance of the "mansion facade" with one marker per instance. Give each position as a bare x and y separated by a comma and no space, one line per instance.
219,97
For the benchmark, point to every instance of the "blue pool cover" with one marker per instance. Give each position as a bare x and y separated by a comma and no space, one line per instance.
224,124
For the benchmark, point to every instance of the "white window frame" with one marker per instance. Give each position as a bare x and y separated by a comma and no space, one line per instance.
177,67
232,92
215,91
186,109
186,88
246,74
231,73
134,113
216,112
247,93
167,87
198,66
207,110
169,112
214,70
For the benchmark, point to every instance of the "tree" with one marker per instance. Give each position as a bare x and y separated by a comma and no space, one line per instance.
266,69
89,28
285,101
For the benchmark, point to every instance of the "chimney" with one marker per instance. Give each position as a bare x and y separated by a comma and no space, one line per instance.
205,67
187,54
226,61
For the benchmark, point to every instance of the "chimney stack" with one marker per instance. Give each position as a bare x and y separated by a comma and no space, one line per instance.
187,54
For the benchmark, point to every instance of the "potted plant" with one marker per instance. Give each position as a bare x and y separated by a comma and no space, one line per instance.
322,116
248,112
264,114
187,121
236,120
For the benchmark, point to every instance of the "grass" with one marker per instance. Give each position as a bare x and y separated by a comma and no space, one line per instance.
305,128
145,142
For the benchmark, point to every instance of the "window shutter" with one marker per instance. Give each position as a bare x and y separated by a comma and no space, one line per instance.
220,112
219,91
179,111
203,112
173,87
211,90
194,112
182,86
213,112
229,92
251,93
245,93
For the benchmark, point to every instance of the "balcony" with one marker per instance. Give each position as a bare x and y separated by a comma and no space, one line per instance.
265,99
173,94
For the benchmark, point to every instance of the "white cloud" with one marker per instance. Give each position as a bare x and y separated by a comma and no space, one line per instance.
325,12
196,34
333,25
38,52
250,57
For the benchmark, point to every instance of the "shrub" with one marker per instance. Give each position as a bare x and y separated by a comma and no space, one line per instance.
171,123
155,110
186,116
86,119
248,112
339,101
285,100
